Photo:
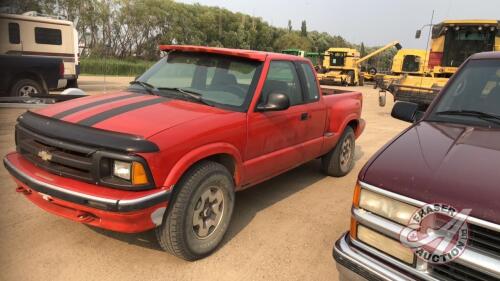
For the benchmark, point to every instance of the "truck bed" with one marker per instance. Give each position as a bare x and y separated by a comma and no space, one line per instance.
330,91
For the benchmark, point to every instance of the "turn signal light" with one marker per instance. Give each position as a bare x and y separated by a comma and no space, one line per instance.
139,176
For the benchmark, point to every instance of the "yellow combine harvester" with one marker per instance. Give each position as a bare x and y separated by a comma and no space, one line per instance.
342,65
452,42
406,62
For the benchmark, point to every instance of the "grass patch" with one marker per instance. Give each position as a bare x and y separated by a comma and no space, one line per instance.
117,67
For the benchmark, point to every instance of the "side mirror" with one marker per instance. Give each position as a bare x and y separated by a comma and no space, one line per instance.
418,33
275,102
405,111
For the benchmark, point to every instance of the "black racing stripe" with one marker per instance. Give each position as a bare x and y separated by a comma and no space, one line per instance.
119,110
65,113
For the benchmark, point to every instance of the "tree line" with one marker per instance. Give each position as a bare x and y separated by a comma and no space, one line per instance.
135,28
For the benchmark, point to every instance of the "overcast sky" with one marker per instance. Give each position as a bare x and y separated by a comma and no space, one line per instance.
375,22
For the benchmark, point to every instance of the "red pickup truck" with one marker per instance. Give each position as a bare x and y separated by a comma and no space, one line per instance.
170,151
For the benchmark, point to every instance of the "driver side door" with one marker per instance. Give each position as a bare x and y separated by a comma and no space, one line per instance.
274,142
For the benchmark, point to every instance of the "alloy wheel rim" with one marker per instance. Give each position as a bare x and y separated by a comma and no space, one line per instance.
27,91
346,153
208,212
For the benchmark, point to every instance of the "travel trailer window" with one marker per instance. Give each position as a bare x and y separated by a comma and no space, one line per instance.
48,36
14,36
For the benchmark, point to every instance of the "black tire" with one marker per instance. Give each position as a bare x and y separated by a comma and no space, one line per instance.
72,83
372,70
361,80
333,163
178,234
352,78
26,88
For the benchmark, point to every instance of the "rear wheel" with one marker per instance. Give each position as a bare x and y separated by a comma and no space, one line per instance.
200,212
340,160
361,80
72,83
26,88
352,78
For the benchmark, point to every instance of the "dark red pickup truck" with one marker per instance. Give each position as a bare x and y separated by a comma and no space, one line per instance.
169,152
427,205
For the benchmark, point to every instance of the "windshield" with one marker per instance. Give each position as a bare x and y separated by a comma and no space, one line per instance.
473,93
411,63
222,81
337,58
462,43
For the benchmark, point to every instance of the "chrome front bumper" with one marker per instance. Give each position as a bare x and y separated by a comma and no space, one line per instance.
353,264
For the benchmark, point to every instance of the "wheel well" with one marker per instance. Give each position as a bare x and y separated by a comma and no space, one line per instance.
353,124
226,160
26,75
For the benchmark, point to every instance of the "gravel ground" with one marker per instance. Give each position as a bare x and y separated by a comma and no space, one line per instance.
282,229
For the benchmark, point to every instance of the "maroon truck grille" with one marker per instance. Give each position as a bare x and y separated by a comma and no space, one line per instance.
456,272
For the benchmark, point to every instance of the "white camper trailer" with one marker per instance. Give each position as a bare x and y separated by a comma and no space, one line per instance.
30,34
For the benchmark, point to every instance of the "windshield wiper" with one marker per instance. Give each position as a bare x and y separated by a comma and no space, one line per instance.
474,113
148,87
188,93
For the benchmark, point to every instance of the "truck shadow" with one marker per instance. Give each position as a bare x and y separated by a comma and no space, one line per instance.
249,202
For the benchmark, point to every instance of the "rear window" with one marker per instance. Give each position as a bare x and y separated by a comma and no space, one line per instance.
14,36
48,36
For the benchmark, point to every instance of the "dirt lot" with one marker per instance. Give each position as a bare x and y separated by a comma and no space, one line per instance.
282,229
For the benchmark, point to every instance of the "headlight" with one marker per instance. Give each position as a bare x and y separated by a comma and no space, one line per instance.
385,244
130,171
386,207
122,169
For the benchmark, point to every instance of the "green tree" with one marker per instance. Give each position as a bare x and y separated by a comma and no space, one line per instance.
292,40
135,28
362,50
303,29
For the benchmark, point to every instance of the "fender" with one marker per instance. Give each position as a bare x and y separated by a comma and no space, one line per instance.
203,152
340,127
343,112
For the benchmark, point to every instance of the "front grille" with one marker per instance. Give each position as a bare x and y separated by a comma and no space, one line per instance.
484,239
480,238
456,272
61,158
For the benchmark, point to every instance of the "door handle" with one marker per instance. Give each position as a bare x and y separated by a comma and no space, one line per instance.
304,116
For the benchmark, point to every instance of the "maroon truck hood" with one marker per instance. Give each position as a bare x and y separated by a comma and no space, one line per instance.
443,163
137,114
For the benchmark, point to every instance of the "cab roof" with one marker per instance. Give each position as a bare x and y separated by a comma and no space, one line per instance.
486,55
248,54
471,21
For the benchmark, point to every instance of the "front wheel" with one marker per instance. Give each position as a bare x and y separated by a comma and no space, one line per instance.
200,212
352,78
340,160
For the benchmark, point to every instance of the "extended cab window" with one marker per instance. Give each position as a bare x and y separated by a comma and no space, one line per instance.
282,78
48,36
219,80
473,97
312,93
14,35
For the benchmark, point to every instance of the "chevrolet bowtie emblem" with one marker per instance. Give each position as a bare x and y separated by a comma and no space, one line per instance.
46,156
